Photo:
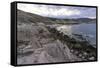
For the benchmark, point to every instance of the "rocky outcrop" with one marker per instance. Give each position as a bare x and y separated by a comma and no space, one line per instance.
37,45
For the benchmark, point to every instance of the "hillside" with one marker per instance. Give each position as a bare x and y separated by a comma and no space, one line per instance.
25,17
36,44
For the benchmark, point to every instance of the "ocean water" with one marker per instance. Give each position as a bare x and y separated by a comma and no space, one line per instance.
86,30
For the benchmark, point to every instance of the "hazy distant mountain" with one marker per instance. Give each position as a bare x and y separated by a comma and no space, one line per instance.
86,20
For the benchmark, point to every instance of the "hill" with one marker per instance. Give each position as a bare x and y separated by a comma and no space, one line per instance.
25,17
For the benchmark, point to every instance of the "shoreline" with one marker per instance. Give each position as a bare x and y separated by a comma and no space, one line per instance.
82,49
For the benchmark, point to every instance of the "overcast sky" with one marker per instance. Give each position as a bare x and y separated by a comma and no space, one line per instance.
59,11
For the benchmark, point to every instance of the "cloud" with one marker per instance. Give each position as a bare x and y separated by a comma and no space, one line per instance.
57,11
48,10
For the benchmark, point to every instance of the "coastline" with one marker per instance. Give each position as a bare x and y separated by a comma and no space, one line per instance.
81,48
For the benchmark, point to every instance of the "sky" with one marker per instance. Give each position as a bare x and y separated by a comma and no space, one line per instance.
56,11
